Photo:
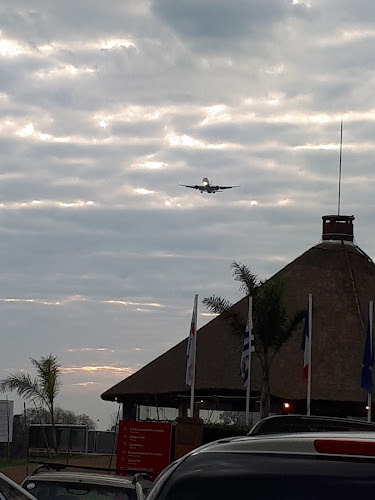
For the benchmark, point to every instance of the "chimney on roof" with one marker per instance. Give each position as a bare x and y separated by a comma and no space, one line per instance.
338,227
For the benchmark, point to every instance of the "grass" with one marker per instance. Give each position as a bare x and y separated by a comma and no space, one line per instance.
14,462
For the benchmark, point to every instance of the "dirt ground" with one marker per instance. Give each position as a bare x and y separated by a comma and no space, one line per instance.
20,472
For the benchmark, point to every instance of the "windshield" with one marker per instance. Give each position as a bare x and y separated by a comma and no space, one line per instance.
45,490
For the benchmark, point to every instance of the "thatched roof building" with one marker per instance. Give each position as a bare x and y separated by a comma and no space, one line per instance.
341,279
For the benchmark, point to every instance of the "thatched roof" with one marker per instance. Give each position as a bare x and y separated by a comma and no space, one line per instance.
217,365
341,279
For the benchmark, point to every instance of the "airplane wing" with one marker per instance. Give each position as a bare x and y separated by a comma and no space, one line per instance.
193,187
224,187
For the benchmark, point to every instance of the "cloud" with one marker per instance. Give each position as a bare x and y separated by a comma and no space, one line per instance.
221,20
116,371
106,110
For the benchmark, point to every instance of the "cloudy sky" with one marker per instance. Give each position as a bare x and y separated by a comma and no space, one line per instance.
106,107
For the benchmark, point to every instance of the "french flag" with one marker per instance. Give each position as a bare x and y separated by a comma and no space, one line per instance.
191,347
305,346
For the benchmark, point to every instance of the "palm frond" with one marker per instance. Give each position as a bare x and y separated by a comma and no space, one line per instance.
289,327
48,370
249,281
216,305
270,318
23,385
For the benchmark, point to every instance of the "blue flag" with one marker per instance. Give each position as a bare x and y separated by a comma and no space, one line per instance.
368,362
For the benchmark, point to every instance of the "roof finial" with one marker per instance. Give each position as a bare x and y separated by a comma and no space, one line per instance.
339,200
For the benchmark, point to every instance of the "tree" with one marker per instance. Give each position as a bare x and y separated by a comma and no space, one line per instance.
43,416
271,325
42,389
114,420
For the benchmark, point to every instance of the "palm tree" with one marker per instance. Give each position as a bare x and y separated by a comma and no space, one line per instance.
272,326
272,329
42,389
249,285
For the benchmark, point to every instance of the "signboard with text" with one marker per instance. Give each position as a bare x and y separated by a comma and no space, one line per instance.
6,421
143,446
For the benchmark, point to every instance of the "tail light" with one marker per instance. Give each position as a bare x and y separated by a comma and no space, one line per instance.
345,447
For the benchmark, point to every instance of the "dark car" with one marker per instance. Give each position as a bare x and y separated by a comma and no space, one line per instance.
305,466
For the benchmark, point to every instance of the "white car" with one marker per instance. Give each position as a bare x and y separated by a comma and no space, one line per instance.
66,485
306,466
9,490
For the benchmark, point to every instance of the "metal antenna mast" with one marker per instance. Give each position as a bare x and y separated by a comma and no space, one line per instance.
338,205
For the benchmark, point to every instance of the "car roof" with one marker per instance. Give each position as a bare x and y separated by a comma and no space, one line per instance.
335,443
81,477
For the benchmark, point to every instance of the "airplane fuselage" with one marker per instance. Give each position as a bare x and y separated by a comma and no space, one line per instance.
207,187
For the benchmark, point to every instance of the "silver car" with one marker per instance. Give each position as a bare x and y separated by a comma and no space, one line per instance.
9,490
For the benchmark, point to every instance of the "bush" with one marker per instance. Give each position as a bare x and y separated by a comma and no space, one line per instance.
212,432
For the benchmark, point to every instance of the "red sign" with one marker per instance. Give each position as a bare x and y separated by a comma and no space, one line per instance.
143,446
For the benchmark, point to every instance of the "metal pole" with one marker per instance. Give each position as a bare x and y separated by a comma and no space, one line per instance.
27,433
309,367
8,424
369,394
339,200
248,386
114,437
195,356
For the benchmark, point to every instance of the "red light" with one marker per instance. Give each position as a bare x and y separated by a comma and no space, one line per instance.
342,447
286,406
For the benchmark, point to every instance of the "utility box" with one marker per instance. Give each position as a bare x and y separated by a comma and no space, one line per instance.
188,435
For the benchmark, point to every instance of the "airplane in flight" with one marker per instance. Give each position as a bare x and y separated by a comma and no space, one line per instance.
207,187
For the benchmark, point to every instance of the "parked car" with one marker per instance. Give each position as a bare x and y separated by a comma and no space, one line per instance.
53,481
305,466
9,490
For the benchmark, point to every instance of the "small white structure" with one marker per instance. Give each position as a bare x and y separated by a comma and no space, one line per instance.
6,420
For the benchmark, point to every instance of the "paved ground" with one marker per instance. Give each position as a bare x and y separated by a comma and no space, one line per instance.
19,472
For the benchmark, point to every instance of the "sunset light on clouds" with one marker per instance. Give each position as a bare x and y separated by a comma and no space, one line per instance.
108,109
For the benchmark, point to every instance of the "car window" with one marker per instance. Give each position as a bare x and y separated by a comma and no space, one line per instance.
45,490
280,488
161,479
224,476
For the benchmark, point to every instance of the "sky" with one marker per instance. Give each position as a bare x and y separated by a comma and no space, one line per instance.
107,107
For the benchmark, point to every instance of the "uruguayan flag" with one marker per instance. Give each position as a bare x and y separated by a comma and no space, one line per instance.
248,347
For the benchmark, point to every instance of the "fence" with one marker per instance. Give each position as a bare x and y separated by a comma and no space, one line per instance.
72,439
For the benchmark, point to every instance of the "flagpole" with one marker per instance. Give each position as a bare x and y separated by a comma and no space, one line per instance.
248,386
369,394
8,427
192,387
309,367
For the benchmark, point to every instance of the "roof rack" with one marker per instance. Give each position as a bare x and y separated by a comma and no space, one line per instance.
286,424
